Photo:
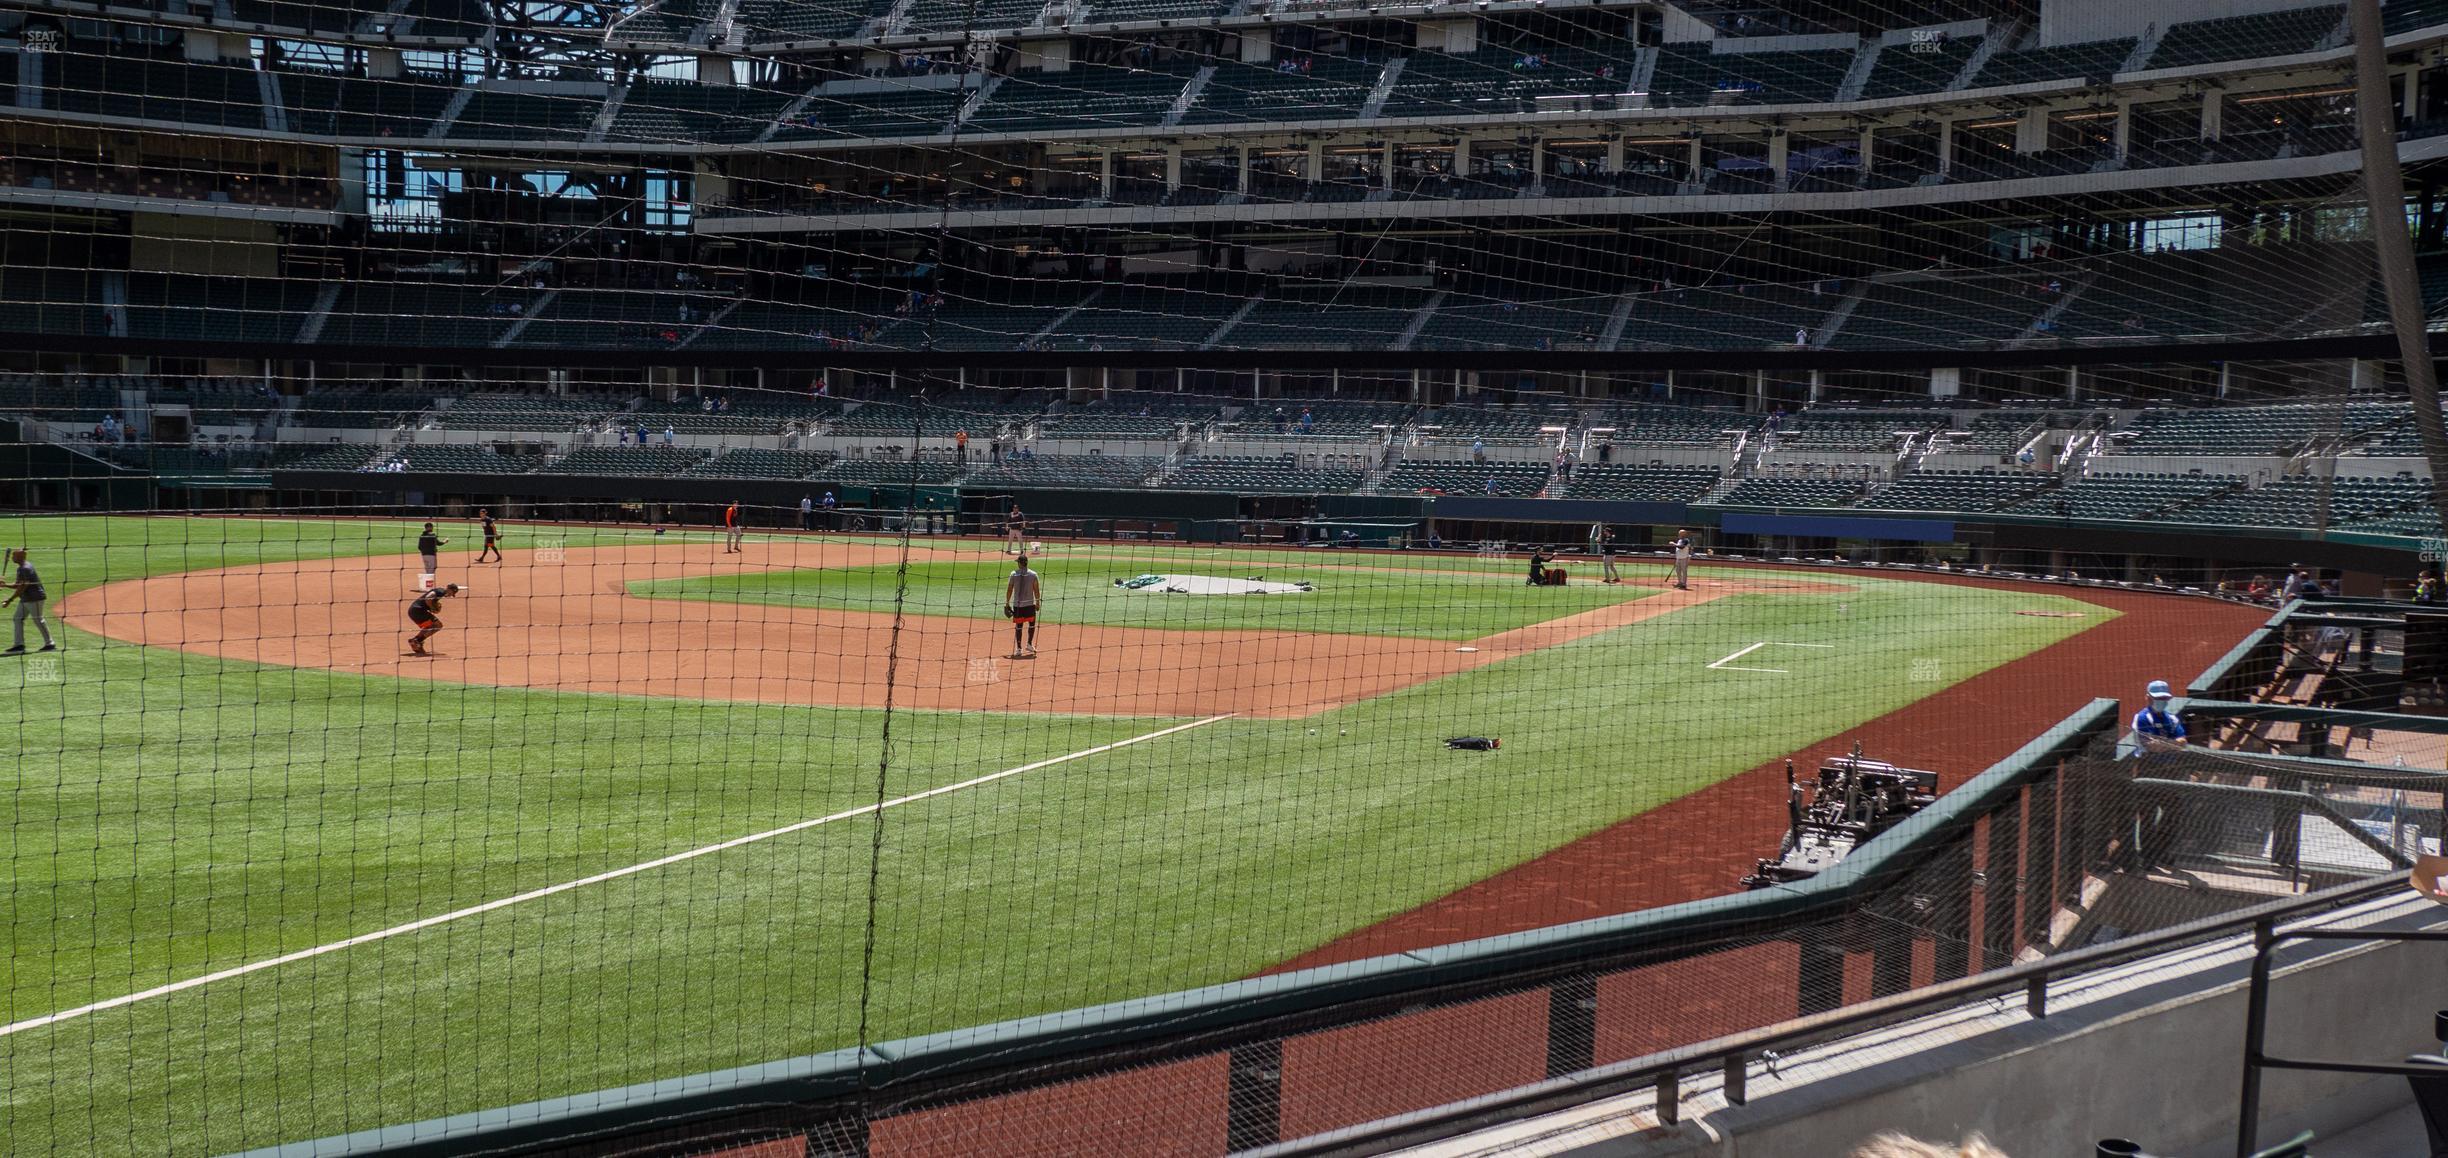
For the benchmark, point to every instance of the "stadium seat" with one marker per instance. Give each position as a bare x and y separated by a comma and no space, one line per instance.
1788,492
1092,471
1253,475
1509,479
1640,482
2245,37
750,462
628,460
2091,60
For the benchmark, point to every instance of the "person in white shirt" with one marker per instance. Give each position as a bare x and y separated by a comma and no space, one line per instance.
1022,594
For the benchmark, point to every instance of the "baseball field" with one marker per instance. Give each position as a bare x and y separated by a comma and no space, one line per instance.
659,809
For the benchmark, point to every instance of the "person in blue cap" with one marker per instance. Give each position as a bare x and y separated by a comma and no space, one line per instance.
2155,725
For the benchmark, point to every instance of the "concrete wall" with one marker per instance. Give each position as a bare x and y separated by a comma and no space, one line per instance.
1667,455
1679,27
2356,466
2151,1052
2258,470
2075,21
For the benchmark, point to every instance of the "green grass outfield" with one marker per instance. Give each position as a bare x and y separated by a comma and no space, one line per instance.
167,815
1355,594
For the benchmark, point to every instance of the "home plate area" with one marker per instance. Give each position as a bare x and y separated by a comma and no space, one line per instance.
1207,585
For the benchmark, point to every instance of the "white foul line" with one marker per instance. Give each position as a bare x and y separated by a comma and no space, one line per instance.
1720,665
598,878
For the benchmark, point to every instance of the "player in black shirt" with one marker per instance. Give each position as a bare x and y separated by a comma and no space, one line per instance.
429,550
492,537
424,611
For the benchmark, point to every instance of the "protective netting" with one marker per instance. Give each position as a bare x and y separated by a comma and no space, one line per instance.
656,806
1289,342
769,176
2297,446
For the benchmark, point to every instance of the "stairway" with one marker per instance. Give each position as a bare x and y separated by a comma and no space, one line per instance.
1189,93
790,112
2000,38
890,22
977,100
535,309
114,304
1375,104
29,79
1229,323
717,319
2056,309
1047,330
2338,37
602,123
1617,321
1857,77
1718,491
275,114
450,112
717,31
1420,320
1644,70
2144,49
1833,323
311,330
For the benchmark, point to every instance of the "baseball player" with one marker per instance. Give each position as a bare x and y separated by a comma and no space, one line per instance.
429,551
28,594
1021,596
492,537
1682,560
1539,558
1015,531
1605,536
732,531
425,612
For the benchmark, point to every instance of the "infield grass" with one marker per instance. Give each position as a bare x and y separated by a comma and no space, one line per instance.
169,814
1353,594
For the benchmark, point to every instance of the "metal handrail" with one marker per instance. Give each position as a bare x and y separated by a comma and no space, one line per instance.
1734,1052
2266,940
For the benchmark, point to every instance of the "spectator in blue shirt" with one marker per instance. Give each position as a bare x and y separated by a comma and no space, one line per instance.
2155,726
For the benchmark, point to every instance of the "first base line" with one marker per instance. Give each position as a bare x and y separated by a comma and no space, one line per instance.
1720,665
582,882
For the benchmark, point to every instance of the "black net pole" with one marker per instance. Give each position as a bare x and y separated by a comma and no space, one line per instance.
2384,185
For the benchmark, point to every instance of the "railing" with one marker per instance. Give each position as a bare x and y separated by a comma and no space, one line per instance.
840,1092
2035,817
1732,1056
2267,937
